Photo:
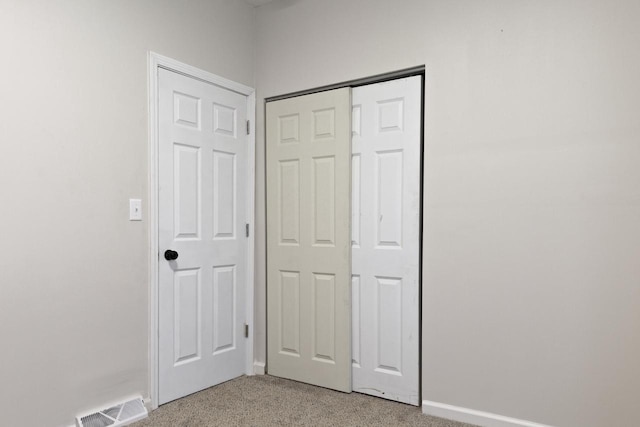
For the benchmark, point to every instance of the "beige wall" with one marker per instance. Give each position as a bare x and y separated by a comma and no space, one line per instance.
73,128
531,287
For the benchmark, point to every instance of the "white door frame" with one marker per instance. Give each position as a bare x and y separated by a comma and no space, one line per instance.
156,61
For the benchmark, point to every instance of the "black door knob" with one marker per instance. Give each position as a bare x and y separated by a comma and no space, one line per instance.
170,255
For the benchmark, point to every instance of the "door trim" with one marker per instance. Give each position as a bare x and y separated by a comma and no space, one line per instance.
156,61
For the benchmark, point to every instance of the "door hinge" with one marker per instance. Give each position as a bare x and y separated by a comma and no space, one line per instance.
246,230
248,127
246,330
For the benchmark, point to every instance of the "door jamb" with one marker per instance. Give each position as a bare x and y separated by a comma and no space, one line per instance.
378,78
156,61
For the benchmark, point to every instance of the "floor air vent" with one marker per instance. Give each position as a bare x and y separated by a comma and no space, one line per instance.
119,415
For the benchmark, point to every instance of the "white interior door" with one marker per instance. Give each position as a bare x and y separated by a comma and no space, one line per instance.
308,239
202,163
385,238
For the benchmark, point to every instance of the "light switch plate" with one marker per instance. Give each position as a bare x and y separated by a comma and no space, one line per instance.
135,210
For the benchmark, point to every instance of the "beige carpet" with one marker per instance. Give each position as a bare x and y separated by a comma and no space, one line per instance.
270,401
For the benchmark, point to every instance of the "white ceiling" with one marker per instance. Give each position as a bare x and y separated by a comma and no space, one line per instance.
257,2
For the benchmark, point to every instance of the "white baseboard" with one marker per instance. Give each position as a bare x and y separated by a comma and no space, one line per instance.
258,368
471,416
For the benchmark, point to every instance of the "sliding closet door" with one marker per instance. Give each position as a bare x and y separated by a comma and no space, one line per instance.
386,238
308,239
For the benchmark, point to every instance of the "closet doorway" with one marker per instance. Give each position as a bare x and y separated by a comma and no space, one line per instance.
343,238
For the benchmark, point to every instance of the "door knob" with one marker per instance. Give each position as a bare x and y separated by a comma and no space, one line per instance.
170,255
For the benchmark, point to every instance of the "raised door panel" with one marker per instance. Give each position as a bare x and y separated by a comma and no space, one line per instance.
355,322
187,316
224,195
355,199
389,325
388,194
288,129
224,120
224,307
187,183
186,110
289,336
288,196
324,124
390,115
323,199
324,328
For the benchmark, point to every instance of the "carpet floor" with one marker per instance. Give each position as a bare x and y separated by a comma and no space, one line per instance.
269,401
